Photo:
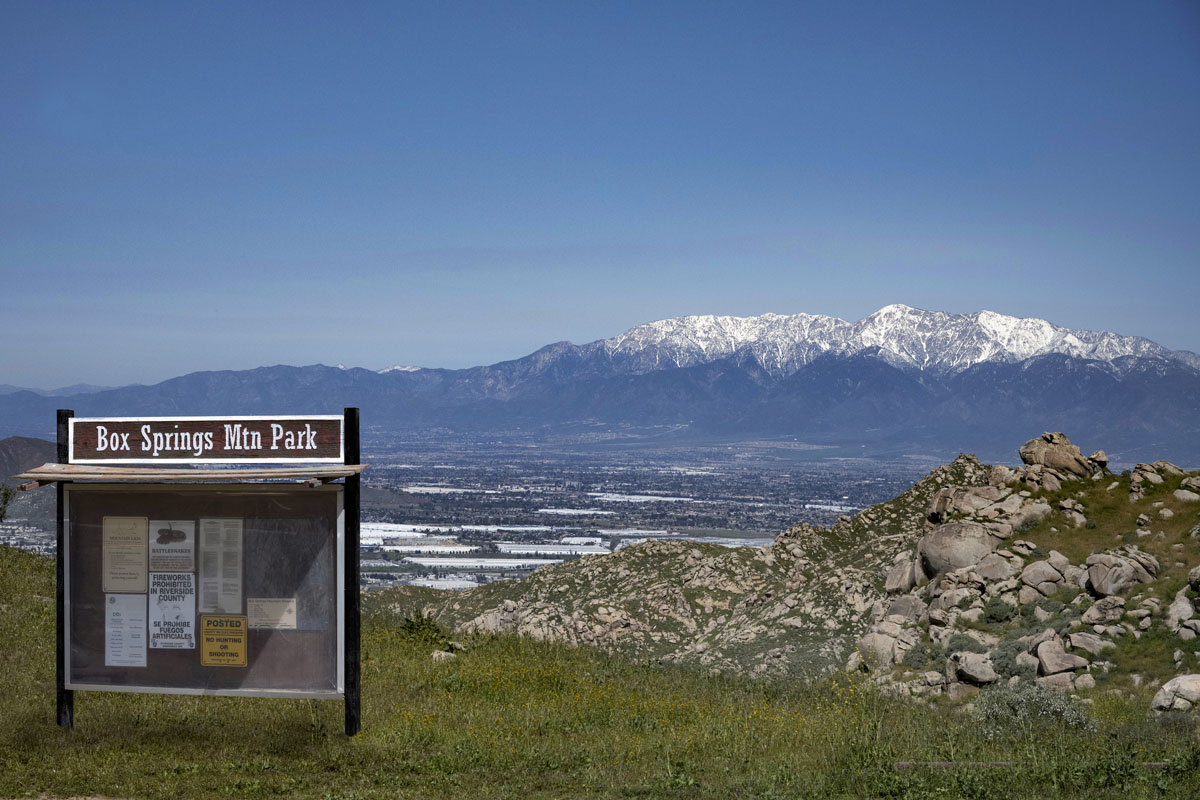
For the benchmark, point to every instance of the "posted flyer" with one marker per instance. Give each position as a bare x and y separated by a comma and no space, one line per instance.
172,611
277,613
172,545
125,630
123,554
221,565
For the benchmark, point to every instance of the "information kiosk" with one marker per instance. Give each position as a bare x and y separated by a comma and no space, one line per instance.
198,579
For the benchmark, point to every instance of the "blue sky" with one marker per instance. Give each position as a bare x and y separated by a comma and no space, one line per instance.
207,186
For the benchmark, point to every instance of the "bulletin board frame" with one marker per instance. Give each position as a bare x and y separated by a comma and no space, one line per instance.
312,440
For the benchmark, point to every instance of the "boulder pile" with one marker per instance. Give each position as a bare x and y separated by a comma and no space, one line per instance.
968,566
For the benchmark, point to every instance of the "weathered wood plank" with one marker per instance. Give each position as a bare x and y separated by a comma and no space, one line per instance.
50,473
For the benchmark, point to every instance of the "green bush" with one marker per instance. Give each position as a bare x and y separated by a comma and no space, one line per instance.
1004,660
961,641
1050,604
997,610
917,656
1016,711
6,496
423,630
1061,613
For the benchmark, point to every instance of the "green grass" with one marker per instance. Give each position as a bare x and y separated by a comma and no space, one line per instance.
1113,522
1149,655
517,718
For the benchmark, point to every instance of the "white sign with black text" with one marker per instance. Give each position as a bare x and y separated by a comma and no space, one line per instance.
172,611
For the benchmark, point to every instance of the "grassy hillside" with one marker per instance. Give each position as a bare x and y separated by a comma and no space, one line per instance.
511,717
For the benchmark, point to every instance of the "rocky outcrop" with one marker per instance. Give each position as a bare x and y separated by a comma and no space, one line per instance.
1053,659
1180,611
975,571
972,668
953,545
1029,514
904,575
1055,452
1116,571
1043,577
1142,475
959,501
1096,645
1104,610
1181,693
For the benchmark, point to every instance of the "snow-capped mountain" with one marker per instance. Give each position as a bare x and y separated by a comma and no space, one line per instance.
901,380
899,334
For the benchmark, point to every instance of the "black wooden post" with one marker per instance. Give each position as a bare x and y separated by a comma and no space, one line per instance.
66,698
351,578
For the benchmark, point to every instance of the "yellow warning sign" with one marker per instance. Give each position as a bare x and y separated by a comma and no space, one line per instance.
223,640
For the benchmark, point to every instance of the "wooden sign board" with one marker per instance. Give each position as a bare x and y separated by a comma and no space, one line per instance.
207,440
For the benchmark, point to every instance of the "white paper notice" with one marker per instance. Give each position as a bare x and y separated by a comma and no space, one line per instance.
272,612
172,545
125,630
221,565
123,554
172,611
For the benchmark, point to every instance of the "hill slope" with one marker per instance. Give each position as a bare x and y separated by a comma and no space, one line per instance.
18,454
816,598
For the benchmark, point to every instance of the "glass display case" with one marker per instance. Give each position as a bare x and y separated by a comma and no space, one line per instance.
228,589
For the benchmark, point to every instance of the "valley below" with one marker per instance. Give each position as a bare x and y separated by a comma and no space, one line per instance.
460,511
464,515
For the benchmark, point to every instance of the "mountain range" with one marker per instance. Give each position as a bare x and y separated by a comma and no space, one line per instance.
897,381
65,391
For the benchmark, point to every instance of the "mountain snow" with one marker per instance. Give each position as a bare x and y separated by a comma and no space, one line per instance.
399,368
900,334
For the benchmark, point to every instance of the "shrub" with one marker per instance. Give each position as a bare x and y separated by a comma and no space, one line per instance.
1004,660
6,496
917,656
423,630
996,610
1021,709
961,641
1050,604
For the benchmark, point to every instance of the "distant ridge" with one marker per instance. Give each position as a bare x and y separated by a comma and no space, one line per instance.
20,453
899,381
66,391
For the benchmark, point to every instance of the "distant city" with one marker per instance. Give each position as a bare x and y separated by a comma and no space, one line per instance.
465,513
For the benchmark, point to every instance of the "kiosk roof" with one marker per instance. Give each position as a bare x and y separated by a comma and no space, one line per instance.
51,473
